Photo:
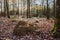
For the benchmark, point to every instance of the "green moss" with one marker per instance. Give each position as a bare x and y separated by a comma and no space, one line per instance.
55,28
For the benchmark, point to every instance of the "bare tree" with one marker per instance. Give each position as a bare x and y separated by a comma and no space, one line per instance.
28,8
42,6
4,14
1,8
18,9
6,8
57,23
54,11
14,6
47,10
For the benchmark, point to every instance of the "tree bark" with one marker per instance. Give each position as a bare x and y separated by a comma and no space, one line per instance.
58,13
28,8
54,9
17,13
6,9
47,14
57,24
4,14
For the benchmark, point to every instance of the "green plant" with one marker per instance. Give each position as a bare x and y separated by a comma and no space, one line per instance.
56,31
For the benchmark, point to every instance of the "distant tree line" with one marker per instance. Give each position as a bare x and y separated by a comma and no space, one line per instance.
45,11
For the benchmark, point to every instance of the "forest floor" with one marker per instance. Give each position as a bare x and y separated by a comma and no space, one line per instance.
7,26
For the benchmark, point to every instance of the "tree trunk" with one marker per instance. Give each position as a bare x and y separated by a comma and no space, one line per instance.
7,8
17,13
1,12
4,14
47,14
54,9
58,13
57,24
28,8
42,6
14,7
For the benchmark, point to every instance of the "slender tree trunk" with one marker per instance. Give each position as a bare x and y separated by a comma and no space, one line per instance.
47,11
7,8
17,13
13,7
28,8
54,9
4,14
21,8
42,6
1,8
44,11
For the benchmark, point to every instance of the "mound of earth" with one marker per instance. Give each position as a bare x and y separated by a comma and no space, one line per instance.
7,26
